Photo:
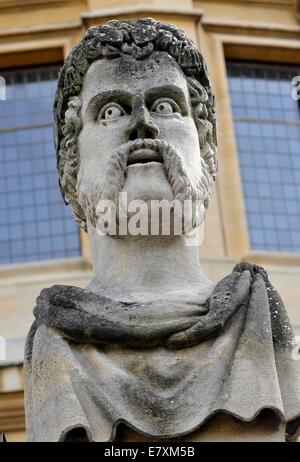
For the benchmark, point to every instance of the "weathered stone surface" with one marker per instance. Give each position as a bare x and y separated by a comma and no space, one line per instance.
138,40
151,343
265,428
135,377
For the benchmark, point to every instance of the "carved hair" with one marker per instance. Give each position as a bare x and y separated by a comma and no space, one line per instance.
138,38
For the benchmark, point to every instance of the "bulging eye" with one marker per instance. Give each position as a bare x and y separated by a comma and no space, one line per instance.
165,107
111,111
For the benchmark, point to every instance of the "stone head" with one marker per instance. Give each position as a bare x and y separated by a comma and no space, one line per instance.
134,112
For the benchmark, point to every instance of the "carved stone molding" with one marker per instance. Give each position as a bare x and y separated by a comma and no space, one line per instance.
246,28
33,3
142,9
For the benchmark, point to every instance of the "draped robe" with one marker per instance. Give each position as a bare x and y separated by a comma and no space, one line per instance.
93,363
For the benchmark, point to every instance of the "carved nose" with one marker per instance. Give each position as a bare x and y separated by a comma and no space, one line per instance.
140,125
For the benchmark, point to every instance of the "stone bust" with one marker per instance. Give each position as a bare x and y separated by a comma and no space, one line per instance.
151,349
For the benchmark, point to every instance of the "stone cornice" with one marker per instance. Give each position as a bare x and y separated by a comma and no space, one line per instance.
87,16
211,24
142,9
62,26
30,3
250,27
35,270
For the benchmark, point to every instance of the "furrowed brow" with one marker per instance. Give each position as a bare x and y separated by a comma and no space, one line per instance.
99,100
168,91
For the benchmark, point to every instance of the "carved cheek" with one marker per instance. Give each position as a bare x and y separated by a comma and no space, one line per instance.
102,136
181,132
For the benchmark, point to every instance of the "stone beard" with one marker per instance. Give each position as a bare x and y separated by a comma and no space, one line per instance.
151,349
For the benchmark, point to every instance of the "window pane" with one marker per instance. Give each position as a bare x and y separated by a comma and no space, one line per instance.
34,222
267,127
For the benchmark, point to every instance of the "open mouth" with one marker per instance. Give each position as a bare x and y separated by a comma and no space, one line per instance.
144,156
144,151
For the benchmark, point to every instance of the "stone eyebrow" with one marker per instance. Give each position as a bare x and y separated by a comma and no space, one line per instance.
169,91
106,96
125,97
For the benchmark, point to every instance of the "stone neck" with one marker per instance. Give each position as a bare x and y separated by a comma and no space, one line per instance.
147,268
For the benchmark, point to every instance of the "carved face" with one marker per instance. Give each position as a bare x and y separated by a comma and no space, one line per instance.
133,105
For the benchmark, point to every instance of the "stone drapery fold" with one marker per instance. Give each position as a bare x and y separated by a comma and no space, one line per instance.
162,368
